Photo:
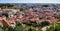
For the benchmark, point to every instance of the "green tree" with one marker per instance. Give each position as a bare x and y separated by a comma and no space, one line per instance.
44,23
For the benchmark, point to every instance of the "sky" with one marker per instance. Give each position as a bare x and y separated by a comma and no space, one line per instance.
30,1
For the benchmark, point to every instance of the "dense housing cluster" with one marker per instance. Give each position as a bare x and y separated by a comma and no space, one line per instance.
10,17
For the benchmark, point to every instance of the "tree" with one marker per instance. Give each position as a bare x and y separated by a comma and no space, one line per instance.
21,9
44,23
5,14
34,24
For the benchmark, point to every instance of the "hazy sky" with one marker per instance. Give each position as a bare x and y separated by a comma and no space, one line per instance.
29,1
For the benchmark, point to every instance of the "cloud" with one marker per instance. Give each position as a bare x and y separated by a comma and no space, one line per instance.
29,1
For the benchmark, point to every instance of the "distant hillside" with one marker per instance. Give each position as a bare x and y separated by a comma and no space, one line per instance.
31,5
